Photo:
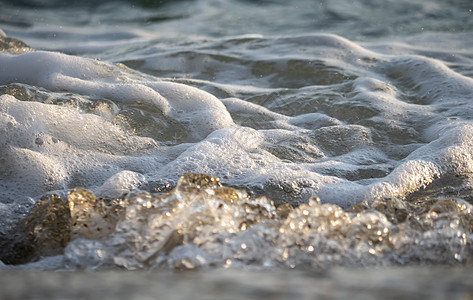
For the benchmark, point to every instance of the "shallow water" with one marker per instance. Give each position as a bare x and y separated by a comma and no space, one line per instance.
331,133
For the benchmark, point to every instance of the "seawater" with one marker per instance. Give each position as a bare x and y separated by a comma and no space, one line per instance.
248,134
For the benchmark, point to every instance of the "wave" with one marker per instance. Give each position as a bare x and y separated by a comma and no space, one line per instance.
318,124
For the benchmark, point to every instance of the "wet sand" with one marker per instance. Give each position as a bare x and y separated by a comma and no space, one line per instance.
435,282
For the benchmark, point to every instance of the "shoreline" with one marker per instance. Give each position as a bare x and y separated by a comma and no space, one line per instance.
397,282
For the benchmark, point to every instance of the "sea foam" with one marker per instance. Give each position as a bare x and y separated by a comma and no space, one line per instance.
307,153
326,147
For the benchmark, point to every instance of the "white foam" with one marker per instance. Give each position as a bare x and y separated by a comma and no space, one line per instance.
374,128
47,147
119,184
230,152
201,112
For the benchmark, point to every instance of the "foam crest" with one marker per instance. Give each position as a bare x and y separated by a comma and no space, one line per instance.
200,111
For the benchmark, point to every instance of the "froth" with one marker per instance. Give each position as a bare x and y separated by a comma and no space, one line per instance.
48,147
359,125
201,112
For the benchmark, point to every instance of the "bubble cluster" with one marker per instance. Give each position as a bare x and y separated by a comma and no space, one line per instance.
201,224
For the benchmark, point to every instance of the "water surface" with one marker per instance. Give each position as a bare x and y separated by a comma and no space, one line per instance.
329,132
